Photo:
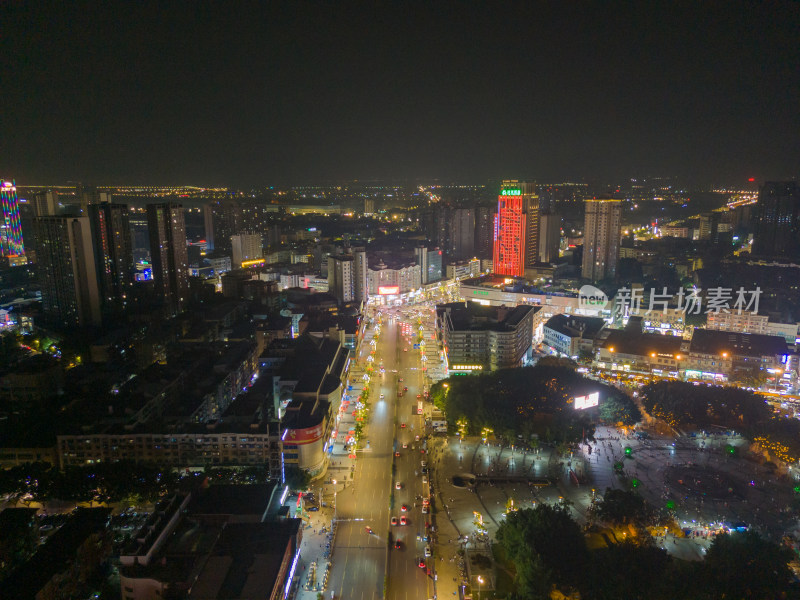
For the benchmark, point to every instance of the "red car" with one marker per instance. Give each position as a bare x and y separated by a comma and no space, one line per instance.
403,521
421,563
402,425
397,545
403,508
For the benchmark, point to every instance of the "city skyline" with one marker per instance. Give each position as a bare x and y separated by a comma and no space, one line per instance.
287,93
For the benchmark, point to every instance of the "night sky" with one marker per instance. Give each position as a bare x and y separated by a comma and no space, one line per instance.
238,94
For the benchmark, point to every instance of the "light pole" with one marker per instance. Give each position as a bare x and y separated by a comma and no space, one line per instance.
480,582
334,498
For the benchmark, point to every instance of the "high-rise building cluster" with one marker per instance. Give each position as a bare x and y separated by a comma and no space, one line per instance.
85,257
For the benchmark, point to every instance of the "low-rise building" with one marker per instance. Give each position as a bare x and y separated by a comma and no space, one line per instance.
476,337
64,565
570,335
221,542
463,269
642,352
727,355
221,444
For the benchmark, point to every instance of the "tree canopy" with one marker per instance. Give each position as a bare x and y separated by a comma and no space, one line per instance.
686,405
530,400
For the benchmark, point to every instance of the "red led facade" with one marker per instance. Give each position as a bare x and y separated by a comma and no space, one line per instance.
509,237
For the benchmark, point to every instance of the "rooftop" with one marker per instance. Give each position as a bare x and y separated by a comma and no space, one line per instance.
477,317
642,344
709,341
55,555
573,326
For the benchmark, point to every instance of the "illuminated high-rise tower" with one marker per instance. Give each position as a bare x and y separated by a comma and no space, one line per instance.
170,257
516,230
10,226
111,234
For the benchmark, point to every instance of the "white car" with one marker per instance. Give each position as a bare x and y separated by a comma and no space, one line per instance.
427,551
382,396
398,486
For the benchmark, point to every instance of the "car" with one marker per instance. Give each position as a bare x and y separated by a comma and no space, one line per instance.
313,508
405,445
405,349
405,388
401,380
424,479
403,521
422,450
427,551
398,545
402,425
419,395
424,510
398,486
403,508
382,396
394,521
397,453
416,438
368,529
421,563
423,464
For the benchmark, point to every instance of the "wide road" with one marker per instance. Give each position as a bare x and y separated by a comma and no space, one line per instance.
407,581
359,557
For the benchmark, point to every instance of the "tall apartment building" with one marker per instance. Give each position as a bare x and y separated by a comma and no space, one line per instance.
369,206
549,237
516,234
67,272
245,246
777,223
601,236
168,252
223,219
361,279
341,277
11,243
462,233
484,231
111,233
45,204
430,264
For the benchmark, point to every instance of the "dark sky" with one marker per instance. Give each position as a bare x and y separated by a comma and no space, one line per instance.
230,93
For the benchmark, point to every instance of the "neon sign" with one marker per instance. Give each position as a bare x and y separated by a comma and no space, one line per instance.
510,192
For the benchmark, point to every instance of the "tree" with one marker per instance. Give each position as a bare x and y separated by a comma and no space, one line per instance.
631,571
297,479
622,507
744,565
545,544
620,409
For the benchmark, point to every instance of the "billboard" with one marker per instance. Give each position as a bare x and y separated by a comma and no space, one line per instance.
592,399
388,290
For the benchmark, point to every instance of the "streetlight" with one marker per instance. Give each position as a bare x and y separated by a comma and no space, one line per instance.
480,582
334,498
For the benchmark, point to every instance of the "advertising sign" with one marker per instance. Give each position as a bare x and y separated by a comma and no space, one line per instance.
388,290
589,401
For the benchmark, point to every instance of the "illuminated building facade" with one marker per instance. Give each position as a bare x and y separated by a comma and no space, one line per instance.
777,223
111,232
516,231
67,273
10,227
167,227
